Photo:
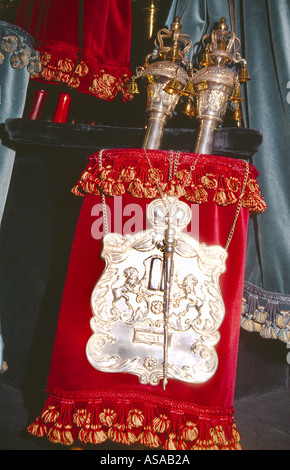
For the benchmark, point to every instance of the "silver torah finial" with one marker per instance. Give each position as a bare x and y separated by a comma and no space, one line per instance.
217,83
164,75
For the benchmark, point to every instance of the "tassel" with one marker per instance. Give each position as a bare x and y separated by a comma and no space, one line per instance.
175,440
80,417
37,428
170,443
136,188
204,445
45,58
230,197
135,418
149,192
84,433
50,415
283,319
60,434
244,306
235,446
121,431
128,174
65,65
257,327
209,181
284,335
82,69
252,198
149,438
116,433
174,444
154,175
198,445
234,443
73,82
247,324
9,43
189,431
48,73
96,435
268,332
181,445
174,188
235,433
108,417
260,316
118,188
76,192
161,424
197,194
129,437
184,176
218,435
61,431
91,431
220,198
107,173
233,184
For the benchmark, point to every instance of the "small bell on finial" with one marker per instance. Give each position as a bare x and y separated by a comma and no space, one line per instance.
188,89
244,75
237,95
133,87
206,60
189,108
172,87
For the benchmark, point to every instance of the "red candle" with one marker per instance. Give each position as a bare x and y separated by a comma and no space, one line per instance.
62,108
37,104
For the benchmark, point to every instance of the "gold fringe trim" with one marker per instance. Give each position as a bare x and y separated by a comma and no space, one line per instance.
66,423
268,320
141,183
60,64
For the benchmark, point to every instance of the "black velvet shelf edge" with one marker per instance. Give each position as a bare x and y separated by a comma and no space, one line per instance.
229,141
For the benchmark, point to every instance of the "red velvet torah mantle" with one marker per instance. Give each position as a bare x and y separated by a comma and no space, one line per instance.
84,44
86,405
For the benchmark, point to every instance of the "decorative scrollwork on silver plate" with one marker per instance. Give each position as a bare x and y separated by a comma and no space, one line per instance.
127,305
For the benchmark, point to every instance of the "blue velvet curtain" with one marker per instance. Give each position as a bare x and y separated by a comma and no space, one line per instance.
263,27
14,77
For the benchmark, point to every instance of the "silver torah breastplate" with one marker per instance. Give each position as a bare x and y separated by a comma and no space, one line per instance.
127,302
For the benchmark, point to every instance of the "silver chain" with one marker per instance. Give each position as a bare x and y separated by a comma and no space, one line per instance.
103,197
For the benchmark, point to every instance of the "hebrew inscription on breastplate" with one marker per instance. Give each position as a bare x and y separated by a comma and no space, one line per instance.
128,321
